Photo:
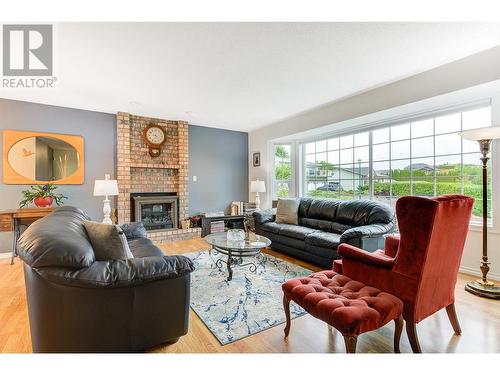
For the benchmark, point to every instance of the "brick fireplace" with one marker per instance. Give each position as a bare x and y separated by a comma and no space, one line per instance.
138,172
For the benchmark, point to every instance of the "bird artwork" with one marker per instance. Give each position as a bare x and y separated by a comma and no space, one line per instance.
27,153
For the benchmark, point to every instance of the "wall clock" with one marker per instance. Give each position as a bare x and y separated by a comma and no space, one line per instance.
154,136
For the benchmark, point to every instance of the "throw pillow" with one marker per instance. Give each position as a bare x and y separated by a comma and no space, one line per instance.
287,211
108,240
134,230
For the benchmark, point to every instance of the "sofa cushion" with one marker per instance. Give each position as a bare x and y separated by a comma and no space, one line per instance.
287,211
323,209
108,240
134,230
329,253
295,231
57,240
271,227
123,273
304,255
324,225
323,239
284,241
363,212
272,236
264,216
144,247
323,244
304,205
289,241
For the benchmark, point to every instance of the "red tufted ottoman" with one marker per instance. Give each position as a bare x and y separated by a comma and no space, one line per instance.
348,305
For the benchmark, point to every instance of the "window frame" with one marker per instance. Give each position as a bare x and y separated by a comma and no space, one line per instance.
292,181
411,118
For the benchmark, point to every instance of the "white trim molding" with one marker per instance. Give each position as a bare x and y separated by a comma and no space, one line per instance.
475,272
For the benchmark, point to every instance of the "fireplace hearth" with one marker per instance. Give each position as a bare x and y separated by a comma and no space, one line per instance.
157,211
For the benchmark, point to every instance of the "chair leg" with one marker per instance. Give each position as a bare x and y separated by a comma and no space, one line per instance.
452,315
286,305
350,344
411,330
397,333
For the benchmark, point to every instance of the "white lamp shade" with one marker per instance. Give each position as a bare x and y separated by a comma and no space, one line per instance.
105,187
480,134
257,186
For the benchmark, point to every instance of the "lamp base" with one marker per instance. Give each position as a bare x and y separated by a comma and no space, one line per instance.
488,290
106,210
257,202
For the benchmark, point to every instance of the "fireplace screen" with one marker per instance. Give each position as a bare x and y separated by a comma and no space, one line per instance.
156,212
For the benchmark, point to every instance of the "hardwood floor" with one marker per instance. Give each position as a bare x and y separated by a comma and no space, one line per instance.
479,319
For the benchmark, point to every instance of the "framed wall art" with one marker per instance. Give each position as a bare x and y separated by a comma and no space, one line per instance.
256,159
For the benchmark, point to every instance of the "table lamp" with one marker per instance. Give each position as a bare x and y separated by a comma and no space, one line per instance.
257,187
484,136
105,188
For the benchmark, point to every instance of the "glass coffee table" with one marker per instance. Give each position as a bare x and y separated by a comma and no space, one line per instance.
236,250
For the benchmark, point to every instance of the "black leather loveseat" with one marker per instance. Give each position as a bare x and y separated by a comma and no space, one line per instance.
324,224
78,304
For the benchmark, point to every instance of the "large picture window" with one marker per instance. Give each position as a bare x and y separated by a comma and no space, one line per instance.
282,184
338,167
425,157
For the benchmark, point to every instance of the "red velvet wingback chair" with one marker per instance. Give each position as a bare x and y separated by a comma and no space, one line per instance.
419,266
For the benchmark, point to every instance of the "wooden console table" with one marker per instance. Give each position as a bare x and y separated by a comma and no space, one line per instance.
12,220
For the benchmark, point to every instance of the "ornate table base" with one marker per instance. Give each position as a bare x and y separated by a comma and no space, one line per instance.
235,258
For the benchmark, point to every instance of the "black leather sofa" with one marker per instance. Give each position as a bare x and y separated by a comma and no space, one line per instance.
78,304
324,224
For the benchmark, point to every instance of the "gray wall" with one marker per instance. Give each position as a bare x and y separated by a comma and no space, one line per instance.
98,130
219,158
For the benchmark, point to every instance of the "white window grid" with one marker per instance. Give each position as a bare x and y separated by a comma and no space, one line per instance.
410,159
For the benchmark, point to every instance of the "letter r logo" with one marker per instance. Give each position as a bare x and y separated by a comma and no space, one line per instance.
27,50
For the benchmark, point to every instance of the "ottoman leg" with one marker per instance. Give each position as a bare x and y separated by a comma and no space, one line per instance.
350,344
397,333
286,305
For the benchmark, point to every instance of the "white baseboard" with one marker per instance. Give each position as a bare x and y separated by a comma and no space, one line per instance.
476,272
5,255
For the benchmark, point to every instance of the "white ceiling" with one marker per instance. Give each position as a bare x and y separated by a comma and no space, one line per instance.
241,76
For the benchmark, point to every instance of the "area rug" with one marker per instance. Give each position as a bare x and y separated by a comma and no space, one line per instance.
251,302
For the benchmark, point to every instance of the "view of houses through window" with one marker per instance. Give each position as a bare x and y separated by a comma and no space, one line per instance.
424,158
